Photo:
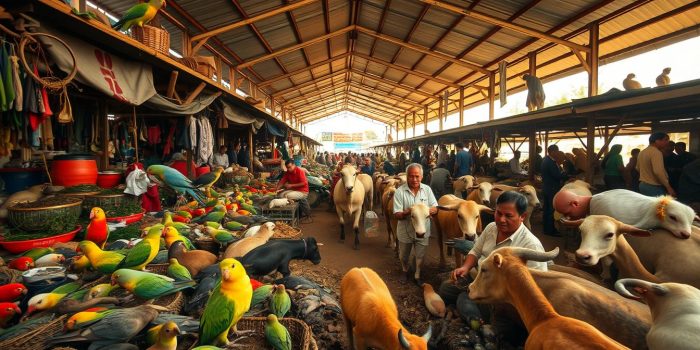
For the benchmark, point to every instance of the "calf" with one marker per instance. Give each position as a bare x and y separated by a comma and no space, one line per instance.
462,184
527,190
481,193
275,256
457,218
348,197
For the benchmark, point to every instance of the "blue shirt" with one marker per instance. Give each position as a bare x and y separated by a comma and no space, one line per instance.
463,162
368,169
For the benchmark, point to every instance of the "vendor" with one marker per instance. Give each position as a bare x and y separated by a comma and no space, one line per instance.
221,158
368,167
294,181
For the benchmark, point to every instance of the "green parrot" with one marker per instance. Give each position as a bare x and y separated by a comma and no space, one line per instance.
280,303
143,252
229,301
277,335
207,180
261,294
212,224
100,290
102,260
215,215
139,15
85,318
221,236
249,208
234,226
36,253
168,222
146,285
177,271
171,235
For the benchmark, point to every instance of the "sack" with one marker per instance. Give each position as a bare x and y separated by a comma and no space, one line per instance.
371,224
65,116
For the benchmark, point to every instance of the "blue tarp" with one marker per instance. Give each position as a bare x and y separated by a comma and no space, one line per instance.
276,130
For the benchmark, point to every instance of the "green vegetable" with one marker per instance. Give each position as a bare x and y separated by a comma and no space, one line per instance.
82,188
127,232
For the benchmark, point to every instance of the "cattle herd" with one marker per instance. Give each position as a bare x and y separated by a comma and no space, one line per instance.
645,298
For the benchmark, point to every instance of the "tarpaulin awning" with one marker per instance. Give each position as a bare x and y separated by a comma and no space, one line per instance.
276,130
240,116
161,103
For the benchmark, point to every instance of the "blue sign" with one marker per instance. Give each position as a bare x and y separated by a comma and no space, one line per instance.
348,145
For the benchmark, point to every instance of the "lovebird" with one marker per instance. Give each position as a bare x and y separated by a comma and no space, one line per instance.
221,236
45,301
52,259
280,303
208,180
177,271
186,324
85,318
12,291
146,285
139,15
261,294
143,252
23,263
118,327
79,263
215,215
36,253
277,335
100,290
167,337
171,234
97,230
175,180
102,260
168,221
8,312
229,301
234,226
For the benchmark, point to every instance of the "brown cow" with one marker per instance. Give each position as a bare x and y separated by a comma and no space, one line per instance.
458,218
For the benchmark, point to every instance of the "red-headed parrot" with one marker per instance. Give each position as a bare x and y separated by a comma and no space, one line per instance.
208,180
146,285
215,215
97,230
8,312
175,180
102,260
139,15
277,335
12,291
280,303
143,252
229,300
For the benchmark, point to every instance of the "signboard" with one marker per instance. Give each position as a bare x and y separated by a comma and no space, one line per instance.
357,136
342,137
326,136
348,146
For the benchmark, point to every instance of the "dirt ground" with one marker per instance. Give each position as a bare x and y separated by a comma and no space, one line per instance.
338,258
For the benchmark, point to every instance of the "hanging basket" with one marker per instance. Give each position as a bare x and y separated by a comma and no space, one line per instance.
153,37
205,65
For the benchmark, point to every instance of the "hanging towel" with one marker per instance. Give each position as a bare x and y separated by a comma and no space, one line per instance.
137,182
502,81
17,84
192,127
206,141
154,135
169,140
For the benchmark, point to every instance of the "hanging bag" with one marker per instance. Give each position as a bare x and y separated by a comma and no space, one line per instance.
65,116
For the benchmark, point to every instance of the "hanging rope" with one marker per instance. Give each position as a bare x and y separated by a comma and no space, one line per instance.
51,82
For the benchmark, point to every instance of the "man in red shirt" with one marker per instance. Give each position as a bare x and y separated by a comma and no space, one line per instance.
294,181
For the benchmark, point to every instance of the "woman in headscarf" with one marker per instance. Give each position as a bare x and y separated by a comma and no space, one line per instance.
614,168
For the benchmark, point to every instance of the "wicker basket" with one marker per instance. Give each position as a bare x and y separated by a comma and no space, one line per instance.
36,339
153,37
38,219
106,200
205,65
299,331
160,269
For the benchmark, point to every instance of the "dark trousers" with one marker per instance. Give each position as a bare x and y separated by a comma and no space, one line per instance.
548,212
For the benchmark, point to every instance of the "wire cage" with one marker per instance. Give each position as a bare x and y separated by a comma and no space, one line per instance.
288,213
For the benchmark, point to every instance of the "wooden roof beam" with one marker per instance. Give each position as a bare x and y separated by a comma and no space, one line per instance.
421,49
295,100
374,107
308,119
379,113
302,70
308,83
326,102
406,70
391,83
505,24
388,95
379,102
202,38
297,35
295,47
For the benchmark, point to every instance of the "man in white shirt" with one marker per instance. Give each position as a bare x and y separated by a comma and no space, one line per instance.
514,163
221,158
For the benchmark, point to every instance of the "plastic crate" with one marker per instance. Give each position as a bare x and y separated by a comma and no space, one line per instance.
287,213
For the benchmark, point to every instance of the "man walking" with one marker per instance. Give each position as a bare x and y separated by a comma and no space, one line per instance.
463,162
653,179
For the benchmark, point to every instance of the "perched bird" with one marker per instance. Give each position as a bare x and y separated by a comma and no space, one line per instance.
171,234
8,312
535,92
118,327
193,260
234,226
45,301
146,285
175,180
79,263
52,259
103,261
167,337
229,301
261,294
280,303
221,236
663,79
12,291
277,335
168,222
630,84
100,290
97,229
186,325
85,318
208,180
36,253
215,215
23,263
433,301
143,252
139,15
177,271
207,279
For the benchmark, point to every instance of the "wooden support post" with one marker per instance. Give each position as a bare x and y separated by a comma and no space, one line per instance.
440,113
171,84
284,114
425,119
590,149
592,59
397,130
104,160
232,78
405,126
272,106
414,125
532,145
273,147
610,138
219,69
186,44
194,93
460,105
492,95
250,149
445,108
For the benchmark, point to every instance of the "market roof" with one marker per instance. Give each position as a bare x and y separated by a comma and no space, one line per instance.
387,59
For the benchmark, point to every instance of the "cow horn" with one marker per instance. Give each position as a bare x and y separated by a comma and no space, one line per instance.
631,230
571,223
533,255
622,286
402,340
486,209
428,333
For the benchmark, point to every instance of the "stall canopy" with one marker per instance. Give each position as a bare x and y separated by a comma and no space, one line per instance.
240,116
276,130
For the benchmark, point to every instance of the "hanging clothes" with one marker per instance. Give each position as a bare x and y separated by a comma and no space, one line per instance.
205,145
17,84
168,148
154,135
192,127
7,78
502,80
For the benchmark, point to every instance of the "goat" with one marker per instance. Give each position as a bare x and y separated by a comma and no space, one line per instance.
371,316
418,217
246,244
504,277
675,310
527,190
348,197
457,218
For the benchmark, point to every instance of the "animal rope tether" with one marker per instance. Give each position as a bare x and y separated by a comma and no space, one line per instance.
51,82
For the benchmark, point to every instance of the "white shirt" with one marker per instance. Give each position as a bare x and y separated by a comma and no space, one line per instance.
220,160
515,166
486,243
404,199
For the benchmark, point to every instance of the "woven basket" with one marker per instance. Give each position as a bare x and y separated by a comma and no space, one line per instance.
153,37
38,219
106,200
161,269
299,331
36,339
205,65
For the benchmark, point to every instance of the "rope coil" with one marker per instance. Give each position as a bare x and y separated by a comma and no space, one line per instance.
50,82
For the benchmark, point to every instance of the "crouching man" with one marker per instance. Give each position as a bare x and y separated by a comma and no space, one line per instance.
507,230
408,194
